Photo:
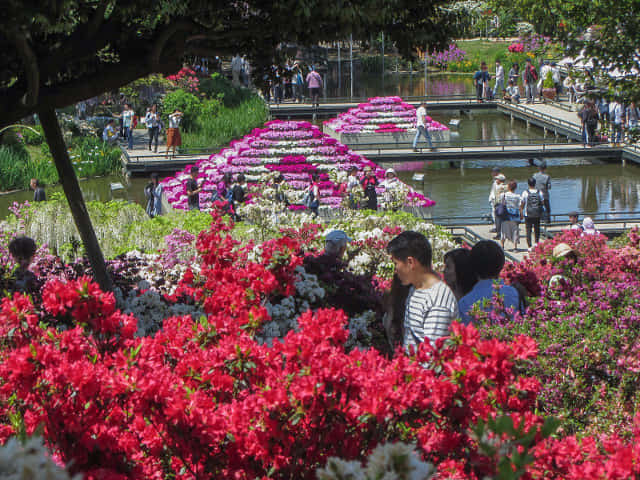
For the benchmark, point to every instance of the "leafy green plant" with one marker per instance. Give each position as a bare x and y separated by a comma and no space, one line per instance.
548,80
187,103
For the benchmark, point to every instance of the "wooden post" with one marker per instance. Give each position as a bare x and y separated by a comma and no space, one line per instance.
72,191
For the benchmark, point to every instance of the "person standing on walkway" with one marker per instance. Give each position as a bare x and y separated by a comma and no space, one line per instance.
499,86
514,74
589,119
236,69
421,127
499,190
314,81
633,120
543,183
298,83
510,226
193,190
39,194
481,81
152,120
173,132
616,112
531,209
545,68
529,79
495,171
313,195
127,124
569,85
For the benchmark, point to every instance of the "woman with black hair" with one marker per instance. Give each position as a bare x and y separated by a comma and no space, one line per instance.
458,273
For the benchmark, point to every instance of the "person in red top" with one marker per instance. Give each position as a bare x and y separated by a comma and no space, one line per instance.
369,183
529,78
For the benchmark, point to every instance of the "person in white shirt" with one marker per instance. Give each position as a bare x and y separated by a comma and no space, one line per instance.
152,121
499,86
421,127
390,183
555,75
127,124
173,132
431,305
569,85
616,112
352,182
546,68
236,69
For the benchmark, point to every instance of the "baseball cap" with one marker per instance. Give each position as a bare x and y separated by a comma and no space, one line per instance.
337,236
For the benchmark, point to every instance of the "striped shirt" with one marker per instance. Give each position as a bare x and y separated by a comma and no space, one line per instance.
428,314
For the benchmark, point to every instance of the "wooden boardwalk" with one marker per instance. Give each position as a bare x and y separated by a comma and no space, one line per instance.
141,160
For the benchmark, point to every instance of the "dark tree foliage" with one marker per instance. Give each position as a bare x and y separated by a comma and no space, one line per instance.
54,53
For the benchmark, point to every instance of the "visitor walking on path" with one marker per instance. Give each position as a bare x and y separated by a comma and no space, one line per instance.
531,209
499,189
127,124
487,260
589,120
236,69
495,171
314,81
298,83
39,194
633,121
616,112
153,192
173,132
510,226
569,85
152,120
369,183
193,190
529,79
431,305
499,86
421,127
543,183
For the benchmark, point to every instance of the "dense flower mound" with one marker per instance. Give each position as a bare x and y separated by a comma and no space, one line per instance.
381,115
296,149
586,320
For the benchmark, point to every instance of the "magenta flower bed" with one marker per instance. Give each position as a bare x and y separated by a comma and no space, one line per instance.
381,115
296,149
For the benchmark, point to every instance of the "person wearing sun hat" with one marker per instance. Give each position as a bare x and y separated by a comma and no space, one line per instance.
499,191
566,257
390,183
588,227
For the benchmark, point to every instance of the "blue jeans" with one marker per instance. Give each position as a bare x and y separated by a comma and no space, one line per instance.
425,133
128,132
617,133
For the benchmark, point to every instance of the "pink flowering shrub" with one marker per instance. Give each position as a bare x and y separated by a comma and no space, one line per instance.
381,115
295,149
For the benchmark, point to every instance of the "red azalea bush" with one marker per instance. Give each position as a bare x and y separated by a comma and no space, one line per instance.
203,399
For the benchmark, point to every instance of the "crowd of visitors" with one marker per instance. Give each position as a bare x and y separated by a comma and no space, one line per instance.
618,122
288,81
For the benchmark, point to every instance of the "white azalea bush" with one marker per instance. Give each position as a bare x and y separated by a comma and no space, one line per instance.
30,461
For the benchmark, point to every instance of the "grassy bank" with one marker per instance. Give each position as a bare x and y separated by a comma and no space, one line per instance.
216,131
19,163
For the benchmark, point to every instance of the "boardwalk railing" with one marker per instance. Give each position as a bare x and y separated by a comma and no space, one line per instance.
410,98
553,121
626,219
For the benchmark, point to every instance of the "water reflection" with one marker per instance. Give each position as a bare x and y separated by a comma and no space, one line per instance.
602,187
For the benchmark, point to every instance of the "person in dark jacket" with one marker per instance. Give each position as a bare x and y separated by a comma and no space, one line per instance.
38,191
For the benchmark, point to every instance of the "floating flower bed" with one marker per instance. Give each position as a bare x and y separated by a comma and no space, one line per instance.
381,115
296,149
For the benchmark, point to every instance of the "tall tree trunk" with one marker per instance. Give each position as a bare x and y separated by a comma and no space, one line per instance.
72,191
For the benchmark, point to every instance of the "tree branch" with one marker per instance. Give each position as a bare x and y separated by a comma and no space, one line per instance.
160,43
30,62
97,18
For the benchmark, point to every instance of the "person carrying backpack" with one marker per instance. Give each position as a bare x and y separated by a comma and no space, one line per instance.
531,208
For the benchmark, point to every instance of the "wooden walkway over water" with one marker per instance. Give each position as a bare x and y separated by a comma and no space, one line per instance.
140,160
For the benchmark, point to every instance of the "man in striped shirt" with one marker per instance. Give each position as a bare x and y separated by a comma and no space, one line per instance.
431,305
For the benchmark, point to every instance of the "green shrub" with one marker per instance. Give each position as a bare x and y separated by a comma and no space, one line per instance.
186,102
218,87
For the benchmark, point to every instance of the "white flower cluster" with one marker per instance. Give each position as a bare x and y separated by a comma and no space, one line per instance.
391,461
284,315
359,334
30,461
164,280
150,309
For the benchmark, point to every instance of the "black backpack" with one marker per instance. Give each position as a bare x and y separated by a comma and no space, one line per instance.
534,205
238,194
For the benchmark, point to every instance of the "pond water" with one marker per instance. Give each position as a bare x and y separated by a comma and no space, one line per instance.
401,84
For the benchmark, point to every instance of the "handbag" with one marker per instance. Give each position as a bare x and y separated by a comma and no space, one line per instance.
501,211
